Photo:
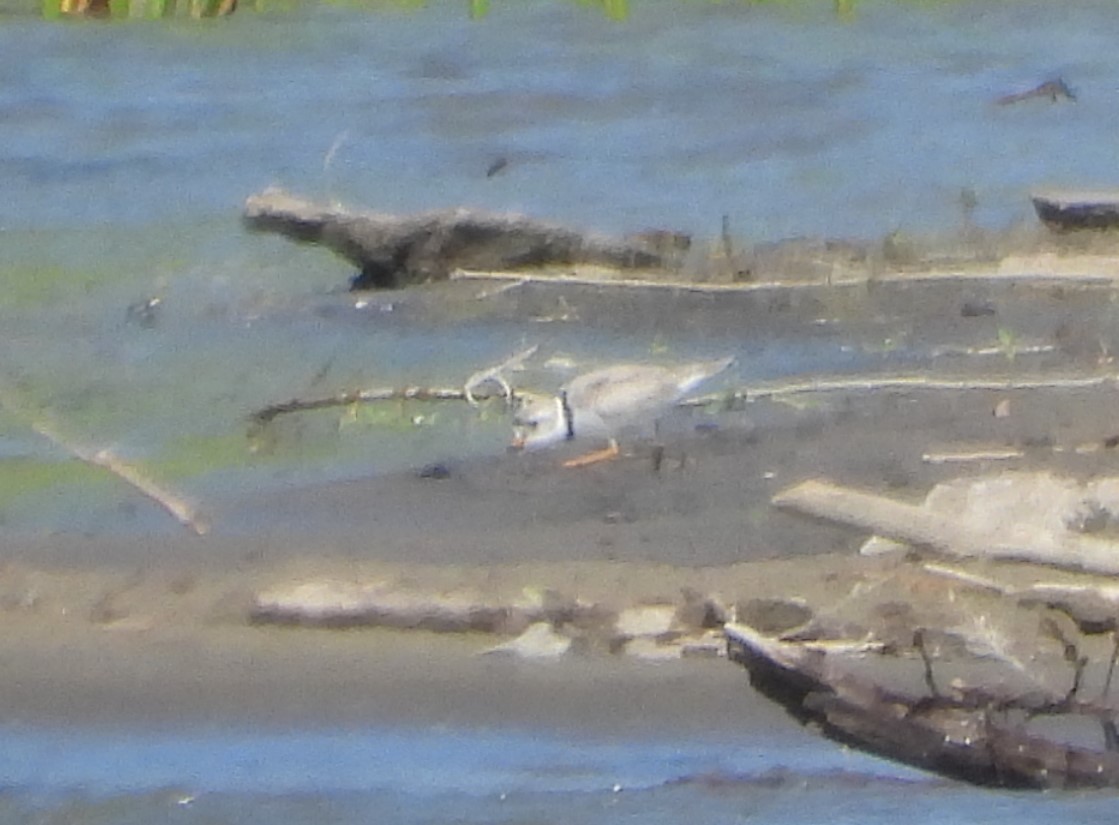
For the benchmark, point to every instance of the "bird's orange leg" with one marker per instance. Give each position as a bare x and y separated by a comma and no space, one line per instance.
594,457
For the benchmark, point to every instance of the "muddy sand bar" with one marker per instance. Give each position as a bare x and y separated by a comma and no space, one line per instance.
155,629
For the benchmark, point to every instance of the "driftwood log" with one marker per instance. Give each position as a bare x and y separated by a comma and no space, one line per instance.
344,604
395,251
969,735
1073,209
41,422
946,533
548,621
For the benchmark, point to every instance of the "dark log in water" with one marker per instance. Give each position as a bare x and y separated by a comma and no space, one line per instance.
968,735
395,251
1073,210
1051,90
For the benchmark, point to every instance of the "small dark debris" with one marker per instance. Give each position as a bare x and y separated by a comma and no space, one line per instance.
774,616
145,313
1093,517
436,470
499,165
665,241
1052,90
977,309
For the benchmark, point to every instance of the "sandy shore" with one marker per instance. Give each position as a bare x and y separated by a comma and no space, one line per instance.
156,630
147,649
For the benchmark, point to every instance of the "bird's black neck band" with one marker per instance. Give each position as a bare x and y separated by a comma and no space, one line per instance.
568,416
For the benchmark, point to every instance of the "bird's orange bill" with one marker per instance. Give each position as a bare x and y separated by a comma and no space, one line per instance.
595,457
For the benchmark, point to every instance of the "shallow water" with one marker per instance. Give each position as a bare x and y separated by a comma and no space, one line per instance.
129,147
479,776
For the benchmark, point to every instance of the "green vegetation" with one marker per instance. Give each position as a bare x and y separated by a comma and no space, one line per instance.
196,455
141,9
40,285
473,9
24,476
614,9
1008,343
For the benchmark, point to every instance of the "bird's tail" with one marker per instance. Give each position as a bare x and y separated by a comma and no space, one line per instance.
703,371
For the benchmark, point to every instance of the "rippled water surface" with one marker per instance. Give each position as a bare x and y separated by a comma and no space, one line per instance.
481,777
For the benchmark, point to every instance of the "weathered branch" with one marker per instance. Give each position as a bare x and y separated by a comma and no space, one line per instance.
394,251
179,507
344,399
1073,210
343,604
469,392
964,735
919,382
787,389
945,533
754,393
183,510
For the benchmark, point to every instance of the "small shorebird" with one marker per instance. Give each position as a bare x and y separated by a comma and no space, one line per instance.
601,403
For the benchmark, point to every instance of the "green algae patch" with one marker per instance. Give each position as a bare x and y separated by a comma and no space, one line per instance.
197,455
21,477
30,285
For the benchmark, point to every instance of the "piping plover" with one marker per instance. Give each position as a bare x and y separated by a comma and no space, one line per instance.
599,404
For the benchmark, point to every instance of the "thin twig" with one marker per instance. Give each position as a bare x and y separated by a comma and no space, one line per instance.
901,382
692,286
468,393
1110,666
971,456
930,681
183,511
758,392
496,375
966,578
266,414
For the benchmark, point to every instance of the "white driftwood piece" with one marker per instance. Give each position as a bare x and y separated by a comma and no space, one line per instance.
332,603
1041,506
539,641
650,620
1030,520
